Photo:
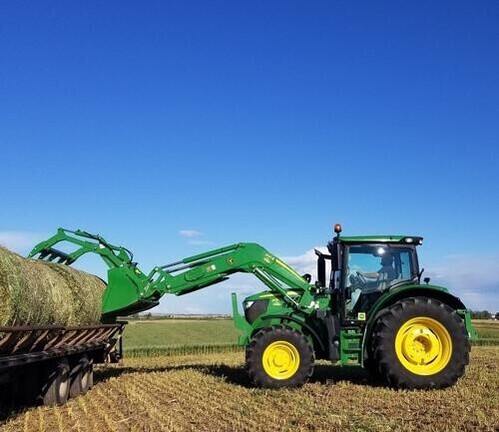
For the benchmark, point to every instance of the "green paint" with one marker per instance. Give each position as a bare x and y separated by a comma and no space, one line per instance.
380,239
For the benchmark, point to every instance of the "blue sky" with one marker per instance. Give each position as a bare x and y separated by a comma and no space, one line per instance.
255,121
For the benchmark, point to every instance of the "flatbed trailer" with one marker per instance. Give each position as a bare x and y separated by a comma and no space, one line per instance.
53,363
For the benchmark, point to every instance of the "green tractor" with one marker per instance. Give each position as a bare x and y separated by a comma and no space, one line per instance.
371,309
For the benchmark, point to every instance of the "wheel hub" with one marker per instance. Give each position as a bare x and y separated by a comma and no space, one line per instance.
281,360
423,345
420,345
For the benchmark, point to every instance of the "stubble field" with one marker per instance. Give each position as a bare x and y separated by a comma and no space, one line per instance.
210,392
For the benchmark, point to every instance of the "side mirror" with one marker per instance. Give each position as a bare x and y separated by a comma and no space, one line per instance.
336,255
321,268
426,280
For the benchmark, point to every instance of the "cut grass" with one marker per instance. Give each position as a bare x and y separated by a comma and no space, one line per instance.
487,329
488,332
178,332
212,393
180,350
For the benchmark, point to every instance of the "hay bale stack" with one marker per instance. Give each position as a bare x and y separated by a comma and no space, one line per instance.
38,293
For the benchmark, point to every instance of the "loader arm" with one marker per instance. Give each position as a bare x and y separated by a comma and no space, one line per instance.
129,290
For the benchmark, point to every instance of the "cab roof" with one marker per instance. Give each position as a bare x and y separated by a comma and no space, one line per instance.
405,239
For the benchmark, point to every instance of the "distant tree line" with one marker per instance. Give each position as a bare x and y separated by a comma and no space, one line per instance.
484,314
152,317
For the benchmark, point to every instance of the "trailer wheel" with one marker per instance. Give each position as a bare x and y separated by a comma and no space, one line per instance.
420,343
56,388
89,372
279,357
79,377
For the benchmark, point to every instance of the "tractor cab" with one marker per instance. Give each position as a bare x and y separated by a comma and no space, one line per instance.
364,268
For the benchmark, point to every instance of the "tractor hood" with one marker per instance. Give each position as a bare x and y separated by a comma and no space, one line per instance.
267,302
268,295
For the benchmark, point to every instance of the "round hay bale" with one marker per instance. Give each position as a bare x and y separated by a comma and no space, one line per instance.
39,293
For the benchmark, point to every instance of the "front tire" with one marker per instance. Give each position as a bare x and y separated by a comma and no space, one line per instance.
279,357
420,343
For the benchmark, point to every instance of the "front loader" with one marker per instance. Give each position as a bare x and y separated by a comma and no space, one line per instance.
411,334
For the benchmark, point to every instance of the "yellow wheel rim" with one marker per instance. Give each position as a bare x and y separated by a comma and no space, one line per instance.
281,360
423,345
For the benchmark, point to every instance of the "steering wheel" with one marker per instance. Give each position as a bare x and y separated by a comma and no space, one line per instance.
361,277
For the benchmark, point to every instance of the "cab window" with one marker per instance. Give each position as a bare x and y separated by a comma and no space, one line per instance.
372,270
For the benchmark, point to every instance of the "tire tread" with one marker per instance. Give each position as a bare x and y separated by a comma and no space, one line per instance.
383,348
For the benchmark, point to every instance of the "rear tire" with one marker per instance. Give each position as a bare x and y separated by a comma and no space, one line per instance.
420,343
56,388
372,367
279,357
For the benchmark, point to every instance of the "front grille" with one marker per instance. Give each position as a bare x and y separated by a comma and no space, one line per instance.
255,310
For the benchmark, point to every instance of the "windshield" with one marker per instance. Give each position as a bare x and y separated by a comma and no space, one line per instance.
373,269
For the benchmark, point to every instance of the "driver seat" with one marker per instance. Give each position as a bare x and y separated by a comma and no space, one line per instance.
384,282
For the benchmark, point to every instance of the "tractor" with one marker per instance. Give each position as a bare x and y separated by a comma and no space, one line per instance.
367,308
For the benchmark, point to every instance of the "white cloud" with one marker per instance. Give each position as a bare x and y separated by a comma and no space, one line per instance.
189,233
307,262
20,241
200,242
194,237
468,270
215,298
473,278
